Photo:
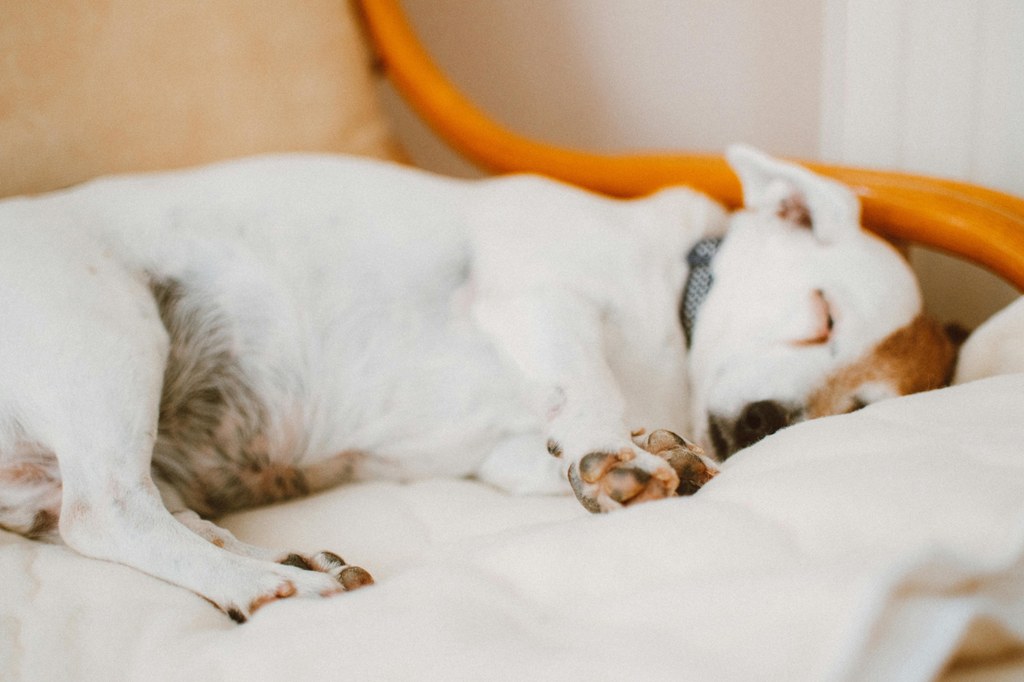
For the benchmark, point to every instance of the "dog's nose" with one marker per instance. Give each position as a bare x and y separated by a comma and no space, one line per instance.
758,420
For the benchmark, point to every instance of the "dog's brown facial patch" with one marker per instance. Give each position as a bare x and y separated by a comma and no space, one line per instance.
917,357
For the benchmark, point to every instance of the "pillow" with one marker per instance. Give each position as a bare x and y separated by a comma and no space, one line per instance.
996,347
90,88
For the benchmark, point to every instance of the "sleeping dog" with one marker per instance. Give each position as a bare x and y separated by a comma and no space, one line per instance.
181,345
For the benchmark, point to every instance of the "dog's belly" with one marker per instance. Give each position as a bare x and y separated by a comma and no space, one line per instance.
397,411
286,379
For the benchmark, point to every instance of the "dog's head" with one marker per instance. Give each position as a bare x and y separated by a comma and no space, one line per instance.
808,314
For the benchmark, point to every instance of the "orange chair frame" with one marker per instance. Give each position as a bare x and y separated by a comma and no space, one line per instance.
978,224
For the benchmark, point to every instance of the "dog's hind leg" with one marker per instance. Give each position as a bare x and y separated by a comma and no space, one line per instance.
351,577
83,354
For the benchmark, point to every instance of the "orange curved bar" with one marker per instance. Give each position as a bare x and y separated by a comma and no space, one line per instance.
979,224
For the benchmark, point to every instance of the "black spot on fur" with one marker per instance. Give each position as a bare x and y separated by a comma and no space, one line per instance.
209,445
554,449
43,523
236,615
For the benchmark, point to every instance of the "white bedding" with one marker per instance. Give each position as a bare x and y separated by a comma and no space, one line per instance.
875,546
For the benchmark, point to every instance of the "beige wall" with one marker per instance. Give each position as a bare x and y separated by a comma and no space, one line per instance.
907,83
934,88
639,74
795,77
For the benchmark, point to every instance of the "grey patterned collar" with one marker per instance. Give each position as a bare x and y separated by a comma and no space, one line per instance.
698,282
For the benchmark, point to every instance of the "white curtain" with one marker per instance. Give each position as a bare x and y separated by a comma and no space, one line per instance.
934,87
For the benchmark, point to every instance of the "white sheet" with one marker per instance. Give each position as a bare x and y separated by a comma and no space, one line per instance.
863,547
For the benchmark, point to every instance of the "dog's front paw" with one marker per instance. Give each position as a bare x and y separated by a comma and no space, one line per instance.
604,481
686,459
350,577
667,466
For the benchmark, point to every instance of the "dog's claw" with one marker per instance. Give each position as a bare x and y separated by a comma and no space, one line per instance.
579,488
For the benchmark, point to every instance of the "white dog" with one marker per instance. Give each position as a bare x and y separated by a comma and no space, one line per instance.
176,346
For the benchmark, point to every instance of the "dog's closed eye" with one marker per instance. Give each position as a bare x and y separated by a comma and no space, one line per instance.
821,314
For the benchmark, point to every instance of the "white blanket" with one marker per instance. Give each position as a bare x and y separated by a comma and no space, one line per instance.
875,546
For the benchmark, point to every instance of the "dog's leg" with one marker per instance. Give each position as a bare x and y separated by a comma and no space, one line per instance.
351,577
84,355
112,510
555,337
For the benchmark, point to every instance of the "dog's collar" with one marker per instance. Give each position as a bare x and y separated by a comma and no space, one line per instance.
698,282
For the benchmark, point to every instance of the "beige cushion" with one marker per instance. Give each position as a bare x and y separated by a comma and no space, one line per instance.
90,87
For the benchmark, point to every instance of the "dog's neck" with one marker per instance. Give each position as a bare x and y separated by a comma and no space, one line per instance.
698,282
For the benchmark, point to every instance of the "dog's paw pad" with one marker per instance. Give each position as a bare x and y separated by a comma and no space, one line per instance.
686,459
297,561
350,577
353,577
594,466
662,440
603,481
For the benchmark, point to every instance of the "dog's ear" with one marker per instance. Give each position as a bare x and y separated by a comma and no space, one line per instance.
827,207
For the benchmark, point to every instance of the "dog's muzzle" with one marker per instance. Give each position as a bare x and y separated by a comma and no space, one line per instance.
698,282
756,421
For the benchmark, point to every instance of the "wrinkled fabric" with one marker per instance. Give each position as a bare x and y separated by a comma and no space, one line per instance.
881,545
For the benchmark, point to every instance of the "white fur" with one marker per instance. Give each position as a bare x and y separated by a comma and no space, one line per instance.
769,267
433,326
